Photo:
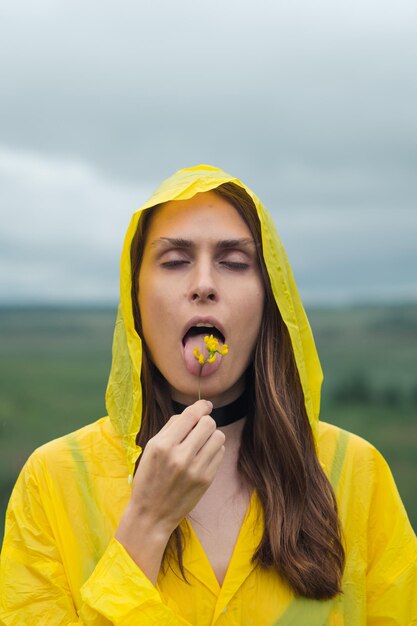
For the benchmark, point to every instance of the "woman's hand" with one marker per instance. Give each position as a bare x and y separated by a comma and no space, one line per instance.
177,467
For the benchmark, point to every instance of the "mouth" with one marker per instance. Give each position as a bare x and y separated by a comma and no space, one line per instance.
203,326
203,329
193,338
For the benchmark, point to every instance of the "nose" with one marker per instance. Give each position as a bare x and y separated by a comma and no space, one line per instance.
202,285
203,293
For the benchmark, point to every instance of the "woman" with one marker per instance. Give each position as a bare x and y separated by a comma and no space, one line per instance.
239,508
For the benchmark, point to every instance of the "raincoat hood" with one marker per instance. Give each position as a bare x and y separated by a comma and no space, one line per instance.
124,391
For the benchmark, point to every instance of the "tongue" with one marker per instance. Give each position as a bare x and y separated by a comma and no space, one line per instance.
191,363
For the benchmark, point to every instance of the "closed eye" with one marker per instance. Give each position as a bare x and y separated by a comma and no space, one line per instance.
174,263
235,265
232,265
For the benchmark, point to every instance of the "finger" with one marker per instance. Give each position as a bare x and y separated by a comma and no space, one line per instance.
215,463
180,427
198,436
210,449
169,423
209,460
176,417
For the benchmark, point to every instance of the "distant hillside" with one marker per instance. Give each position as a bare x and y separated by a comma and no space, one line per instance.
55,362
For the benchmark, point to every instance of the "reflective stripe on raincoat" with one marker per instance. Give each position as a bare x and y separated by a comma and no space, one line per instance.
60,563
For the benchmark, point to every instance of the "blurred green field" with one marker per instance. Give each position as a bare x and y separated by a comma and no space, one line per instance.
54,365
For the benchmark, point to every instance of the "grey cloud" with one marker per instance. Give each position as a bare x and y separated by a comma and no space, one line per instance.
63,224
311,104
164,85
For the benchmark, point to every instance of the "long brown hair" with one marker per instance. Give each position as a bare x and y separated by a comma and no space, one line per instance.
277,457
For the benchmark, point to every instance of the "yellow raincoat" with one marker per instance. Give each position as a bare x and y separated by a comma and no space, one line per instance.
60,563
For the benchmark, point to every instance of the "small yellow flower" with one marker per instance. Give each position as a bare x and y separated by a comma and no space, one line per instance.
211,343
212,346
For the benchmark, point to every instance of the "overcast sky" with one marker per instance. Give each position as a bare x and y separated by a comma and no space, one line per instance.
312,104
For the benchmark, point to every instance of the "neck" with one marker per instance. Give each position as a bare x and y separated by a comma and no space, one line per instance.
224,415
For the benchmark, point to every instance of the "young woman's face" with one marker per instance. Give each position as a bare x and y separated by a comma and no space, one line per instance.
200,266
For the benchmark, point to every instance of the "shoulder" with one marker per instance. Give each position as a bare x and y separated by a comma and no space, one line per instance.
95,448
355,468
367,496
331,434
336,445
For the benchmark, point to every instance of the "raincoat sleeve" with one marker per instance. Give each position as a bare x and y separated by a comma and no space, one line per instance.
392,554
35,587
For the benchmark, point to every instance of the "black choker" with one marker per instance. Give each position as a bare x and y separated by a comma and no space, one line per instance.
223,415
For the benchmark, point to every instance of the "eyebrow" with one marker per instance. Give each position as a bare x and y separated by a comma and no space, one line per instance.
223,244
